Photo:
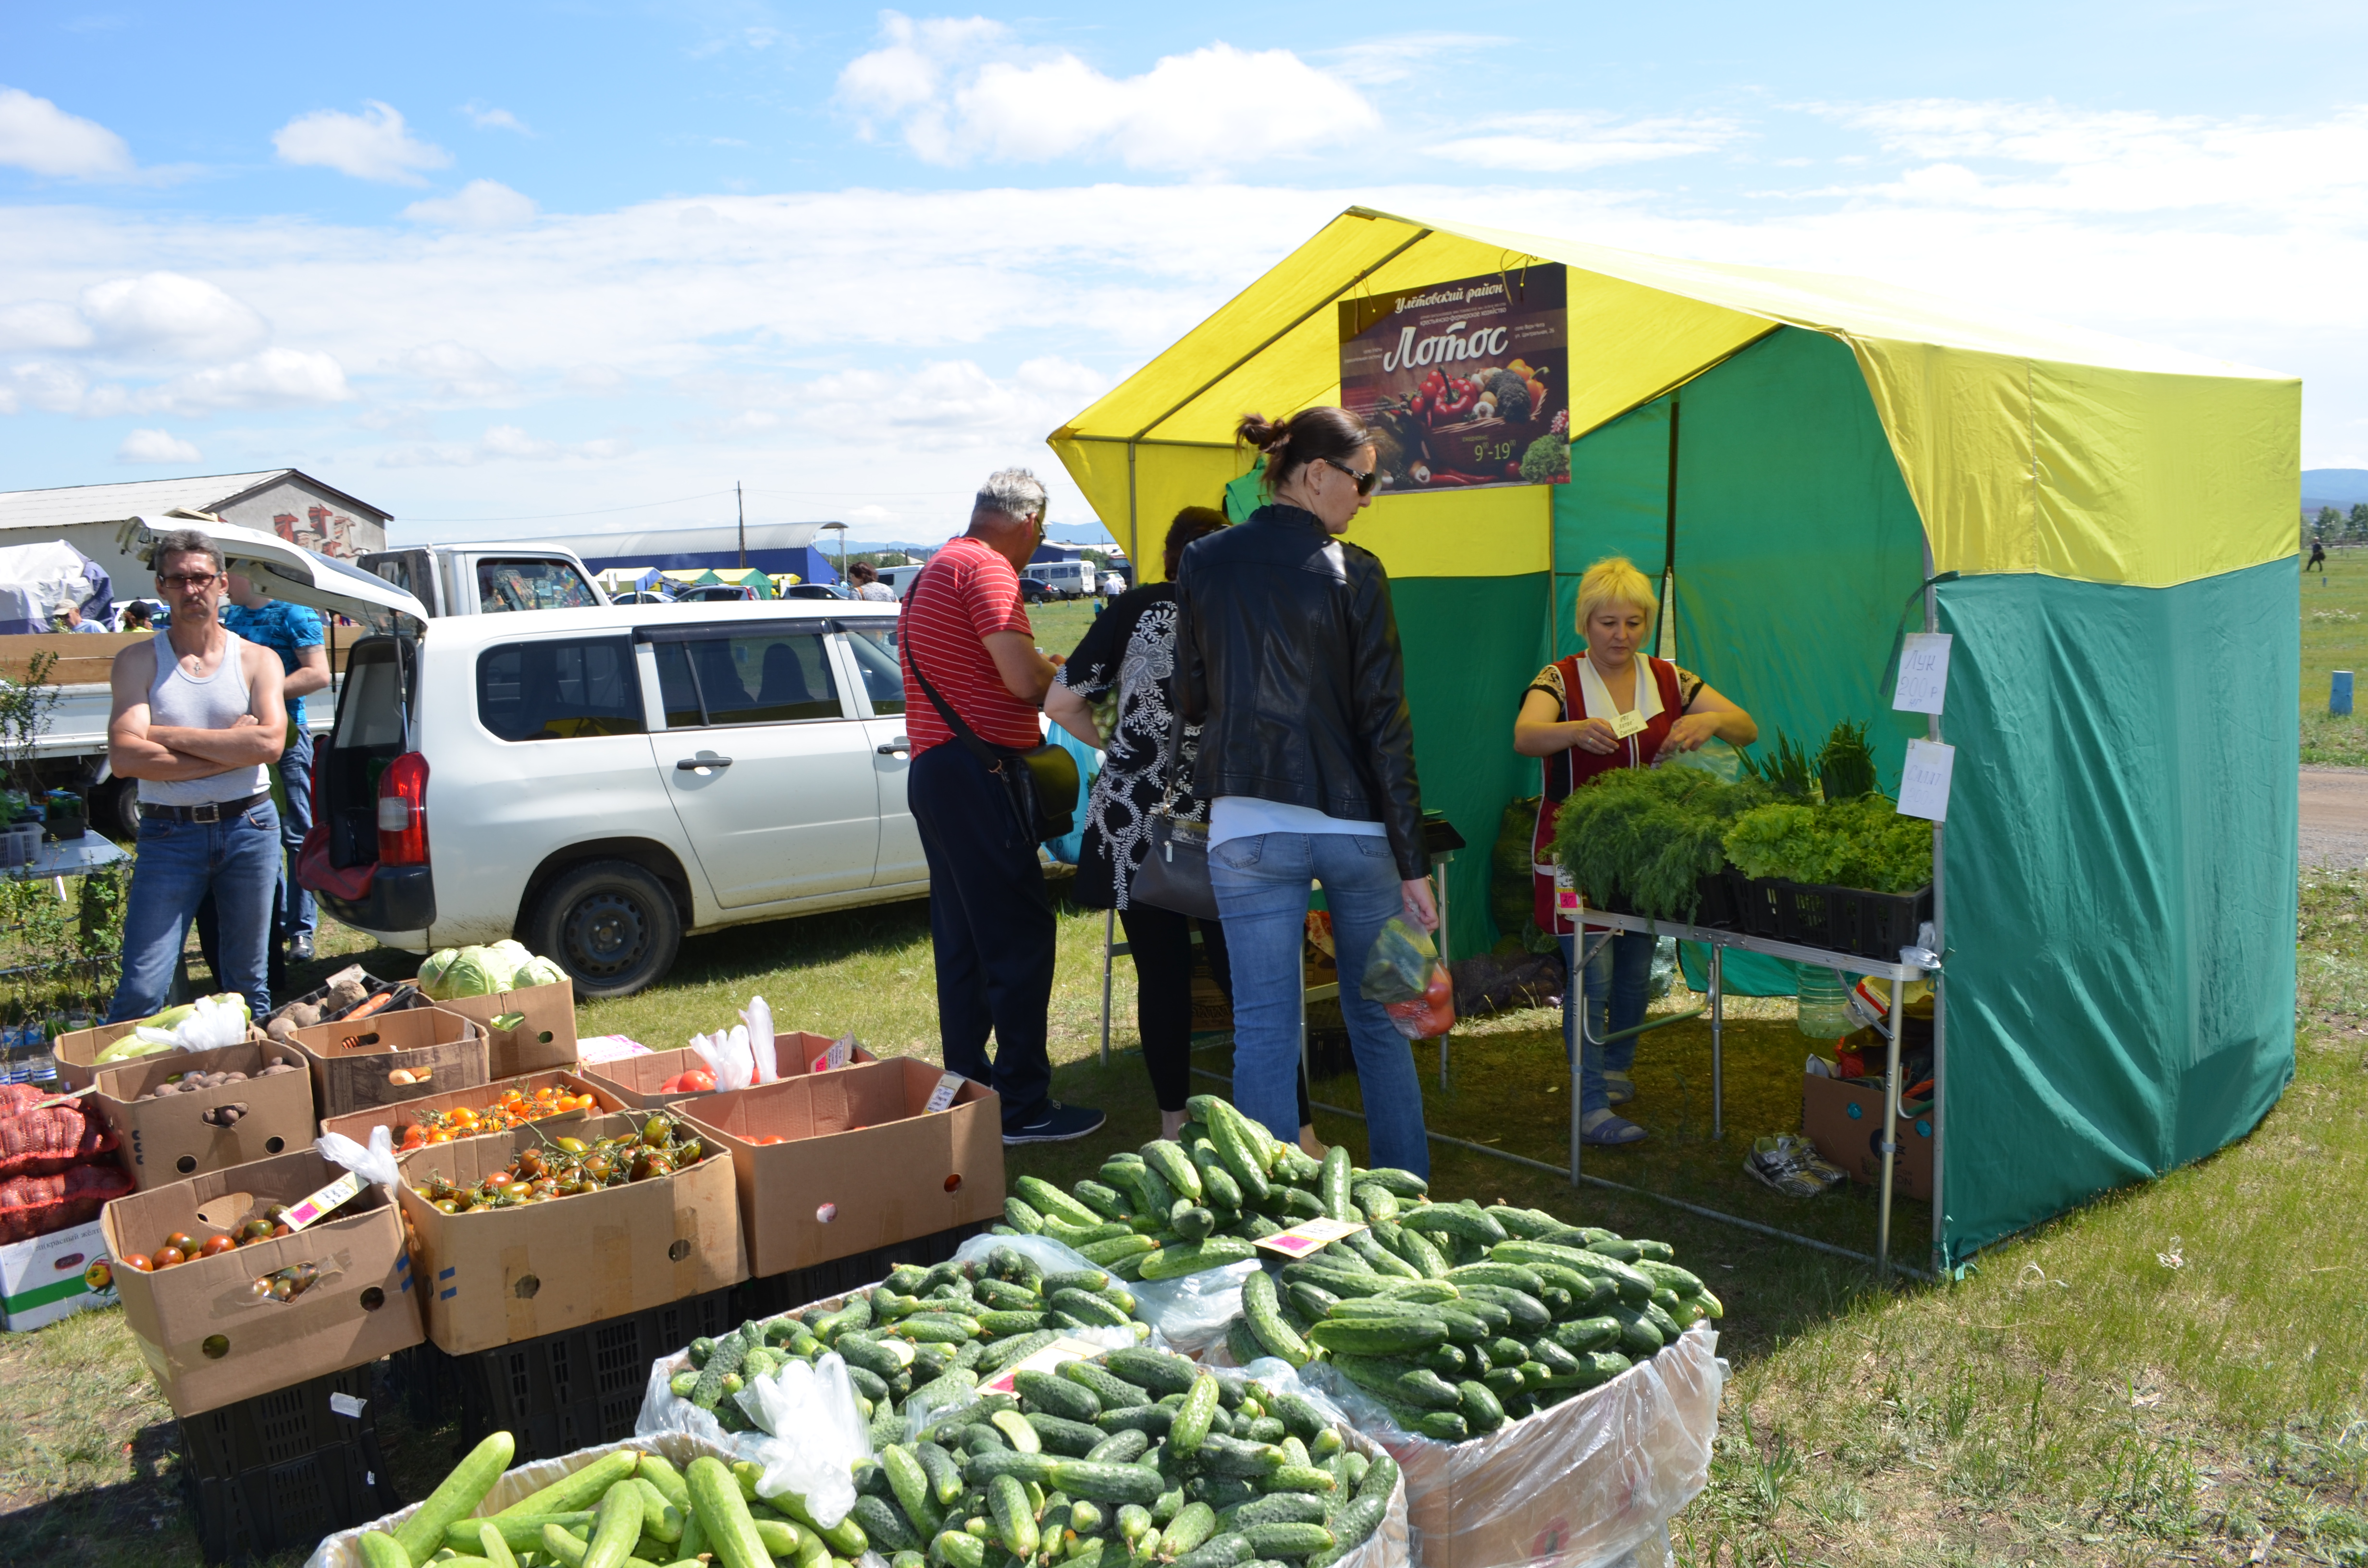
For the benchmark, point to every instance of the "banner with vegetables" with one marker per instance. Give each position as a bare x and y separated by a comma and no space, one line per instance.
1464,383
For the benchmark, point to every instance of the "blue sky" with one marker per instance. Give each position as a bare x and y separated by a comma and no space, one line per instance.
534,268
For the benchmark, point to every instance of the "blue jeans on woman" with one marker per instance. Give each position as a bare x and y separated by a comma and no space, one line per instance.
1615,989
1261,883
236,859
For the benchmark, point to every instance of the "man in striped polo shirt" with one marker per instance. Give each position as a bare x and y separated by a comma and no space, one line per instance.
991,923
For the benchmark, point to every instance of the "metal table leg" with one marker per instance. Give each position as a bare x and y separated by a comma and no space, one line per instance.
1717,1042
1890,1124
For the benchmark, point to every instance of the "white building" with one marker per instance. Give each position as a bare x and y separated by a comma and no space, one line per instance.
284,501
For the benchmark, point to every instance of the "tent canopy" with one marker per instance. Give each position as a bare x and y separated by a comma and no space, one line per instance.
2117,876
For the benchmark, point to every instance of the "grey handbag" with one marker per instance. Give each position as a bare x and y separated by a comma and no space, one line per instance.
1175,871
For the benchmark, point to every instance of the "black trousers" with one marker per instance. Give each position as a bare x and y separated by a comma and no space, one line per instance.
991,929
1161,941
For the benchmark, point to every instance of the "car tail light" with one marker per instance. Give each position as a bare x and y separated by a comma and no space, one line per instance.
403,811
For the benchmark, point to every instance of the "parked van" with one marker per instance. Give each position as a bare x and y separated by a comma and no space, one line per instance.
1063,579
601,783
900,578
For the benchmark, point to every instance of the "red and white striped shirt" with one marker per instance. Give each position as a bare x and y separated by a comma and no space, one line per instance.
966,594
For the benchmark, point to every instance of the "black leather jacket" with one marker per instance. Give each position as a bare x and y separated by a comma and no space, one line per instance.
1291,660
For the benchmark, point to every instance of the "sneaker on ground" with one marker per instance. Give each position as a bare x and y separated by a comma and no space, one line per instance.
300,947
1056,1124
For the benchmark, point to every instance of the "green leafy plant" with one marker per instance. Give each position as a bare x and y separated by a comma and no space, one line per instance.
1785,771
25,709
1861,842
1846,766
1646,837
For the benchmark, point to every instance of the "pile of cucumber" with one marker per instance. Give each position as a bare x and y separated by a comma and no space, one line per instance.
1134,1457
915,1328
625,1509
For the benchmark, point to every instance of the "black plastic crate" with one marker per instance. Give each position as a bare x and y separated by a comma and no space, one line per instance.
1841,920
776,1293
282,1469
578,1387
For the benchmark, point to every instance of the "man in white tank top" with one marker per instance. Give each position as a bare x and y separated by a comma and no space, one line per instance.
198,721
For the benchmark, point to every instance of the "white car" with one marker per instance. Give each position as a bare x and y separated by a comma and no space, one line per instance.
601,783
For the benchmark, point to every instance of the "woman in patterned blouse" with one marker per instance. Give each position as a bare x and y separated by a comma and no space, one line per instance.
1128,659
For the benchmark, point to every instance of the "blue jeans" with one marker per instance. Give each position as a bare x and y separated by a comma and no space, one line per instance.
296,778
1261,885
1618,977
238,861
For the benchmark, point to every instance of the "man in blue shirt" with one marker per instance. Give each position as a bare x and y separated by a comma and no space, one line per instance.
294,633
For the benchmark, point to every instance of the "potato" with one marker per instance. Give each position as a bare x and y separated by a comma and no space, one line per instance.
303,1014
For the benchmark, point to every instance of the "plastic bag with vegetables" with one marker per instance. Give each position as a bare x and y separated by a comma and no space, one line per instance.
1404,973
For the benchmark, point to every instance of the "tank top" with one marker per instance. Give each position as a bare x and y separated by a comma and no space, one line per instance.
214,703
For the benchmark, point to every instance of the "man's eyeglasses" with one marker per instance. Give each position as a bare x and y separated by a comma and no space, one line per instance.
192,582
1365,481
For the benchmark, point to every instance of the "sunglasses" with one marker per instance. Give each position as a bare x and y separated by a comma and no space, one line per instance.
1365,481
195,581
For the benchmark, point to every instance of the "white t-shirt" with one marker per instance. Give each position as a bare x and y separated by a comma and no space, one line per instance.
879,593
1246,816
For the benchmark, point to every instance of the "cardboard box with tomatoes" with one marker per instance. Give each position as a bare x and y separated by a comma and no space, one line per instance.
670,1077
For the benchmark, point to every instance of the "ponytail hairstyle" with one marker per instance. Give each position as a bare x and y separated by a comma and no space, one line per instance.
1190,523
1310,436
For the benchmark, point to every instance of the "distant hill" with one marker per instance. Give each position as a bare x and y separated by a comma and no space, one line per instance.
2336,487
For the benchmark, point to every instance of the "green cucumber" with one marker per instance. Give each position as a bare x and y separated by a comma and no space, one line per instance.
1106,1483
1190,1429
457,1496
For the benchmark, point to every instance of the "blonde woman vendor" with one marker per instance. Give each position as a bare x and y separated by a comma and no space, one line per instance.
1611,707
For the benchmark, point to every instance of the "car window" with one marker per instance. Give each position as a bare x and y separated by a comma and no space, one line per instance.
560,689
749,677
532,585
874,645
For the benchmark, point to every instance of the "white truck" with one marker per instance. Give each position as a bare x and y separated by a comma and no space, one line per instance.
469,579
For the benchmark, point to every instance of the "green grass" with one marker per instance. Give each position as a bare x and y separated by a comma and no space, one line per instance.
2334,637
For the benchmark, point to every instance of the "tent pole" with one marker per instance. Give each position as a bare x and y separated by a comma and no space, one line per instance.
1890,1123
1664,632
1939,978
1134,556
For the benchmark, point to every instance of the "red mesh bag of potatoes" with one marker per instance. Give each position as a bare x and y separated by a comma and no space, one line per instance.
51,1138
37,1205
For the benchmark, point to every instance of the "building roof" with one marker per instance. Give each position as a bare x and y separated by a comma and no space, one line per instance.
152,497
648,543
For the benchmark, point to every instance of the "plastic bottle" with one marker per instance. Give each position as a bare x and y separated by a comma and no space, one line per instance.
1824,1005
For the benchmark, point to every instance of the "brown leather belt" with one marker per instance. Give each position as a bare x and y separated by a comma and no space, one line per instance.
211,811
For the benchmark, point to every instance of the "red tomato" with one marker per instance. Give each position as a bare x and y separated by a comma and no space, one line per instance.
697,1081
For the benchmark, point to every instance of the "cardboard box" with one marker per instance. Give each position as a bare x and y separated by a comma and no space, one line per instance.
351,1078
863,1164
75,1051
163,1139
208,1337
545,1040
1845,1121
357,1125
41,1280
502,1275
635,1079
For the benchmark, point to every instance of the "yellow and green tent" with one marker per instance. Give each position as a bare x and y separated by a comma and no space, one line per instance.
1797,454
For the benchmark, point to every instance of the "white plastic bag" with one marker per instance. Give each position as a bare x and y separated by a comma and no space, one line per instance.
211,1024
1192,1313
759,1017
817,1434
727,1055
373,1162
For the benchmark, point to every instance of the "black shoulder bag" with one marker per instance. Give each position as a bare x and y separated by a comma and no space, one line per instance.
1041,781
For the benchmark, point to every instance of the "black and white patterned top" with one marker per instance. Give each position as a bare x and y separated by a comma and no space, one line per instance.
1130,649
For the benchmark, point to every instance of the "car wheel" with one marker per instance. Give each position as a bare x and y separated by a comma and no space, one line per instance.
115,810
609,924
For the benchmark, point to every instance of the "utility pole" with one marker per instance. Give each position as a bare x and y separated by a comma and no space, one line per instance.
741,505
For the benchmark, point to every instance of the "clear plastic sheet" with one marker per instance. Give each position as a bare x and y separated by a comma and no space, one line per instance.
1585,1485
829,1400
1391,1544
1184,1314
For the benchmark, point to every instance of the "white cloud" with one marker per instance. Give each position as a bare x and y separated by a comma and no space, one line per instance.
455,369
487,117
481,204
1555,143
2086,163
373,144
39,137
43,324
155,446
170,313
1379,62
505,443
963,90
276,378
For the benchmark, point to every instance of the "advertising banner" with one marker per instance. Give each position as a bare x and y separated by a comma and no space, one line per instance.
1464,383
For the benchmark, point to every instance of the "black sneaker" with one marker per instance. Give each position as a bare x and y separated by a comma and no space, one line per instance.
300,947
1056,1124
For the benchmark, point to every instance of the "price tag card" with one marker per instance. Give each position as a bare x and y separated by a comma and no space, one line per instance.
1565,890
948,1086
841,1051
1923,673
298,1215
1062,1349
1924,782
1310,1236
608,1048
347,1404
1627,724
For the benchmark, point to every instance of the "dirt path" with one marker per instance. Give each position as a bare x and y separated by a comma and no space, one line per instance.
2335,817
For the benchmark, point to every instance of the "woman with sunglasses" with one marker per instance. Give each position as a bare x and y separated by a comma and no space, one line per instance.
1292,666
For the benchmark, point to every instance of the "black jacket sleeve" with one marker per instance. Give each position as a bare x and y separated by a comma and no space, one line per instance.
1384,723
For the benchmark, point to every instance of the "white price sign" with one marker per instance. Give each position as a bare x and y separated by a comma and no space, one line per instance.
1924,781
1923,673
